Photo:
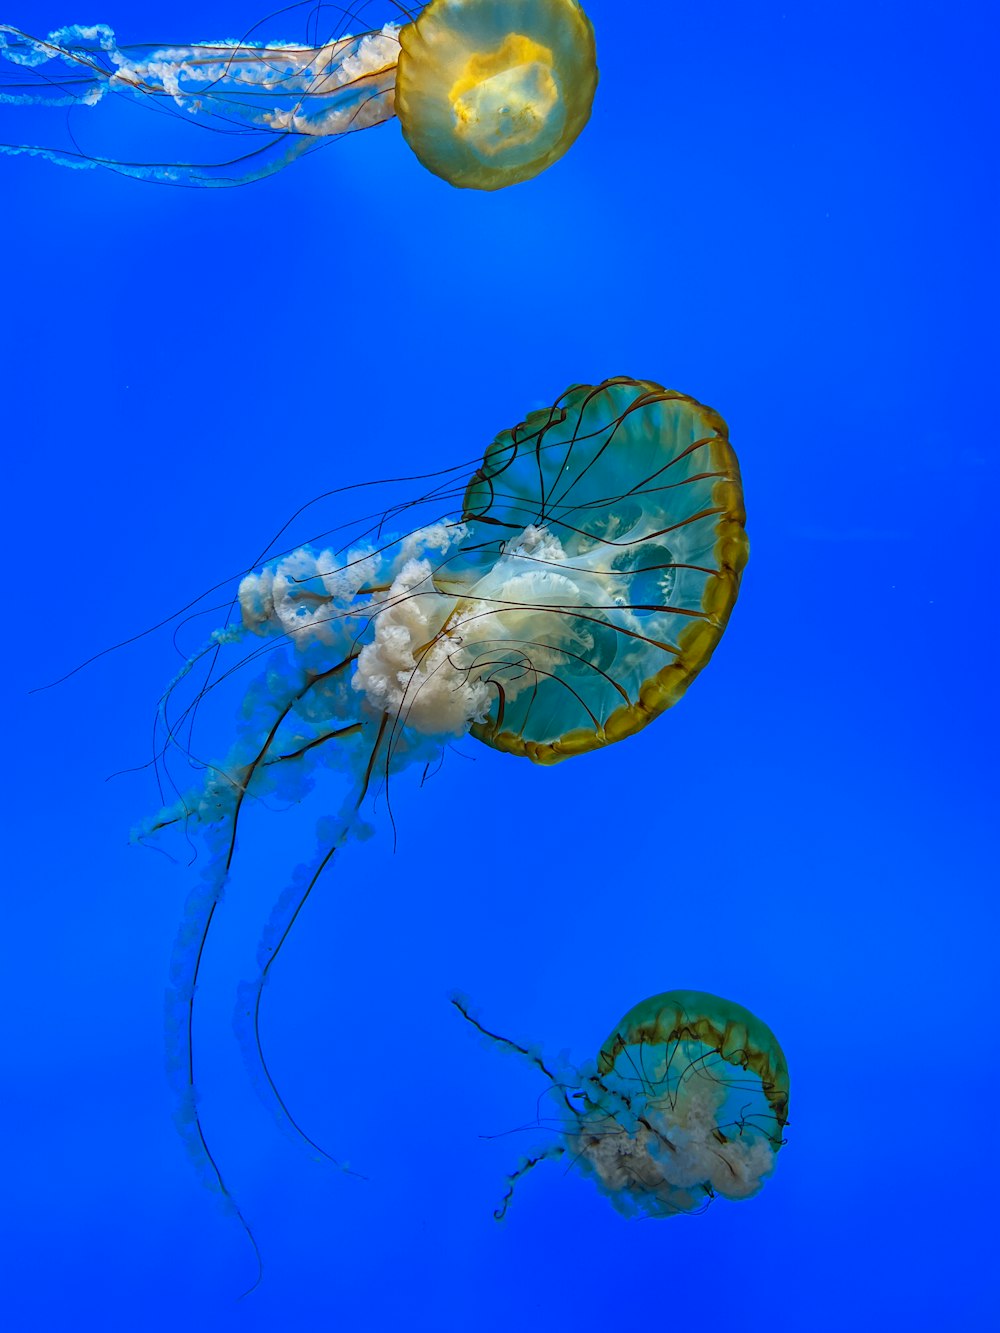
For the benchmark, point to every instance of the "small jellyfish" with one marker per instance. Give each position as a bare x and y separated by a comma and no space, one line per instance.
568,594
487,94
688,1101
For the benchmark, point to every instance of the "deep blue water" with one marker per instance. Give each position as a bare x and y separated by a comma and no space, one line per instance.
784,210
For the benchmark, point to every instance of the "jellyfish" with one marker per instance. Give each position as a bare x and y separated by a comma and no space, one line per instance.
687,1102
555,602
487,94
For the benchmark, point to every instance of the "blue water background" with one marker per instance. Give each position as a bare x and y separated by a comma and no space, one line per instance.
783,209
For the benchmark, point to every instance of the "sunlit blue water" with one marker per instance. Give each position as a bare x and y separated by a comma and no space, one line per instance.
781,209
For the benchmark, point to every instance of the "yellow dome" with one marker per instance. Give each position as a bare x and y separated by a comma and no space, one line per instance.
491,94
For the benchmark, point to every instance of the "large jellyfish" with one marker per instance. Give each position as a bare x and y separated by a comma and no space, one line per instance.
556,602
487,94
688,1101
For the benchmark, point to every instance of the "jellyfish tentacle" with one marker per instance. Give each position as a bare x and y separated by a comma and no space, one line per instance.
550,1153
196,924
243,169
352,729
527,1164
247,1017
284,99
380,517
231,789
461,1004
236,774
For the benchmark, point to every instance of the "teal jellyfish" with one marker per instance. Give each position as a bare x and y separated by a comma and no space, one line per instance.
487,94
569,594
687,1102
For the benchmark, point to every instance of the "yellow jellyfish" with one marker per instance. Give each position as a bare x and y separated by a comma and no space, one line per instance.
487,94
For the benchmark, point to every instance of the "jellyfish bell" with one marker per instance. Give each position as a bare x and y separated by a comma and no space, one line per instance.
622,592
688,1101
581,580
487,94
